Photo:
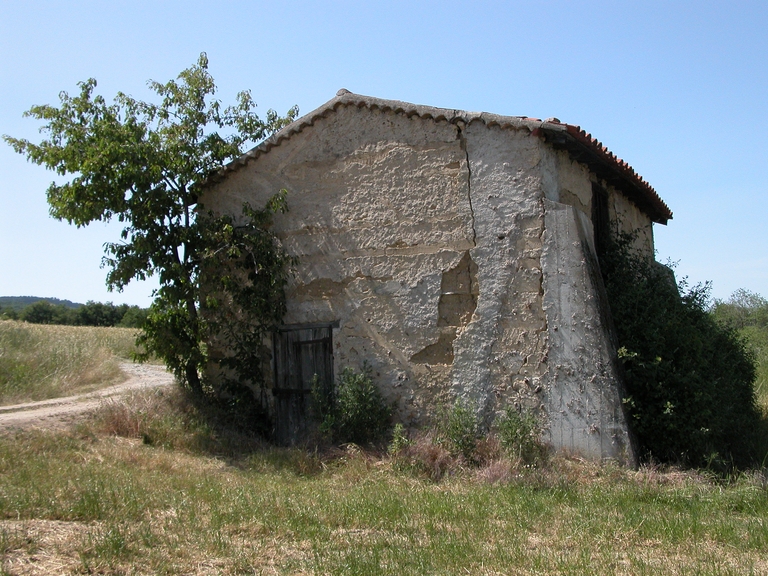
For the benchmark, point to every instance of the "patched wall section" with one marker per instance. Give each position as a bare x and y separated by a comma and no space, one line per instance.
428,245
631,220
574,183
583,392
498,357
422,238
458,299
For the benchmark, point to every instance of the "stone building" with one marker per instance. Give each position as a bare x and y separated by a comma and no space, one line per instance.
456,254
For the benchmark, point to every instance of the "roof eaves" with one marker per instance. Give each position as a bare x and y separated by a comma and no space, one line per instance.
586,149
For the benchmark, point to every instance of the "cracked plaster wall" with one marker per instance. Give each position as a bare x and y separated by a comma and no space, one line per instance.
424,240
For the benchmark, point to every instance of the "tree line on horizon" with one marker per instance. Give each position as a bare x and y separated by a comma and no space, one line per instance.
89,314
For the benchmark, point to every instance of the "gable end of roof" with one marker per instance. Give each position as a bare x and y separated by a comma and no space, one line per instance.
579,144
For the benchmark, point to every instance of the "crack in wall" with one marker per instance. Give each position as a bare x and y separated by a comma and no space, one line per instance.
542,232
463,143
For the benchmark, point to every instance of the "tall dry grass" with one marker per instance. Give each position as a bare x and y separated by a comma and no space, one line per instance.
38,362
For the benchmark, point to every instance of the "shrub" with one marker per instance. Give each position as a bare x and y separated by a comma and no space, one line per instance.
747,313
399,442
688,379
43,312
355,411
457,428
519,435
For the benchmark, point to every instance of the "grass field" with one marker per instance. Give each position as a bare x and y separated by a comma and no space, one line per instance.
150,486
42,361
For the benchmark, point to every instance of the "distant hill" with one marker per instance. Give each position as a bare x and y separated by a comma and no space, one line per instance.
19,302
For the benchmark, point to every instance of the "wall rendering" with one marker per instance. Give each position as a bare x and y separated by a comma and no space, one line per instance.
453,258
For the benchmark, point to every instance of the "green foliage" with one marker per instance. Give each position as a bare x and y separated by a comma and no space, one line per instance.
99,314
134,317
144,164
243,274
66,313
519,435
458,429
354,411
747,313
43,312
400,440
743,309
7,313
689,379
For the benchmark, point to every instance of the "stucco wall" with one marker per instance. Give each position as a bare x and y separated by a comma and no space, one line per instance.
628,218
583,393
574,182
423,239
500,354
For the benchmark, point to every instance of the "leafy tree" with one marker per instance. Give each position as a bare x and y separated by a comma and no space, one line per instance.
9,314
747,313
98,314
134,317
143,163
742,310
689,380
43,312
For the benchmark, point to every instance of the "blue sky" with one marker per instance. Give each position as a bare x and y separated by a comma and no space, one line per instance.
677,89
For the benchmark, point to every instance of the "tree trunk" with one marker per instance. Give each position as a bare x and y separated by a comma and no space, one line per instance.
193,378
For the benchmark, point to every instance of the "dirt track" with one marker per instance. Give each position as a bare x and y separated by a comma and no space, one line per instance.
60,411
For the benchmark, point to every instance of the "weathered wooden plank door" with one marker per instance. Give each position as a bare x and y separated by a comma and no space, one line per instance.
301,353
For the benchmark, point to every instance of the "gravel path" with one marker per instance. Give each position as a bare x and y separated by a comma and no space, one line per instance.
57,412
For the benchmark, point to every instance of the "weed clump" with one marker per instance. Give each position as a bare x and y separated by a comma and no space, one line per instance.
519,433
174,419
457,429
353,411
400,440
425,456
455,443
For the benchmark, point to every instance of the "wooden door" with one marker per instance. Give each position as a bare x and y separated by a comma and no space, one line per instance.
302,353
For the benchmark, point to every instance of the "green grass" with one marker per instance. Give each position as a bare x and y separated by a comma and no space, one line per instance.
757,339
43,361
169,491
